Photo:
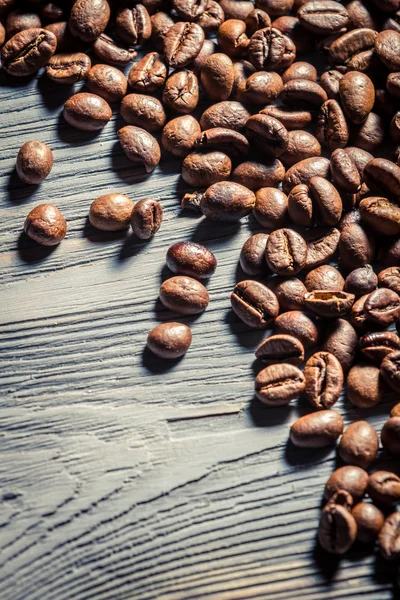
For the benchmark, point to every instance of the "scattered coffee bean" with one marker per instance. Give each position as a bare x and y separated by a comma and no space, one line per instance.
194,260
389,537
359,444
377,345
226,201
229,141
184,295
390,435
146,218
46,225
298,324
252,254
267,134
89,19
324,379
281,348
182,43
179,135
181,92
144,111
111,52
325,278
286,252
87,112
133,24
361,281
140,147
258,176
27,51
277,385
217,77
34,162
108,82
317,430
390,278
369,521
111,212
364,385
290,291
384,487
342,341
382,307
337,528
323,17
254,303
270,208
352,479
329,304
169,340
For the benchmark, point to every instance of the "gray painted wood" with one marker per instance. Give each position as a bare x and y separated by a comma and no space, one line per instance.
122,477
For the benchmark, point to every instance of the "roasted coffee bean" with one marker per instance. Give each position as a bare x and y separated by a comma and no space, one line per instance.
369,521
193,260
262,87
359,444
358,314
389,252
337,528
377,345
270,50
360,15
349,218
350,44
353,480
381,214
370,135
204,169
252,254
169,340
301,145
46,225
6,6
275,8
270,209
232,38
227,201
286,252
146,218
254,303
317,430
324,278
356,247
89,19
387,47
304,170
236,9
182,43
324,380
390,370
303,93
332,131
2,35
18,20
361,281
390,435
34,162
148,74
317,201
140,147
323,17
281,348
179,135
217,77
389,537
230,114
383,175
357,95
212,17
27,51
291,27
300,70
189,10
390,278
146,111
395,412
382,307
184,295
256,176
108,82
364,385
87,112
111,212
290,118
255,20
298,324
384,487
329,304
394,129
68,68
181,92
268,134
342,341
289,291
161,22
322,244
347,167
208,48
133,24
227,140
51,12
191,201
112,52
277,385
393,84
329,81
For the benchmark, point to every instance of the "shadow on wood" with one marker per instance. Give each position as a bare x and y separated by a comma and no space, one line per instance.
32,252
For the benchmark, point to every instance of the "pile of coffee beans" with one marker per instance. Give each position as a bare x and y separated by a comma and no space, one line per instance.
311,154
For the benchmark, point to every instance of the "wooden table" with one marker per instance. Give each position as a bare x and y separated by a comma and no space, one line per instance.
123,476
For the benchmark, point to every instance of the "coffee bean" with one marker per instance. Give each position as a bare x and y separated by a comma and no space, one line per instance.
252,254
390,435
181,92
390,370
322,244
370,135
148,74
301,145
332,130
208,48
281,348
254,303
369,521
169,340
179,135
352,479
193,260
182,43
257,176
255,20
290,26
34,162
140,147
133,24
341,498
232,38
89,19
262,87
146,111
348,45
316,201
395,128
269,50
298,324
217,77
270,209
324,278
112,52
329,81
236,9
19,20
46,225
359,444
337,528
390,278
324,379
387,47
51,12
268,134
107,82
286,252
381,214
191,202
2,35
384,487
146,218
212,17
87,112
377,345
361,281
304,170
232,115
161,23
227,201
290,118
358,314
316,430
389,537
278,384
347,167
189,10
382,307
300,70
184,295
289,291
68,68
111,212
204,169
27,51
242,70
364,385
383,175
357,95
329,304
323,17
303,93
229,141
342,341
356,247
349,218
275,8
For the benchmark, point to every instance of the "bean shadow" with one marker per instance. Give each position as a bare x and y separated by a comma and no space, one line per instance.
157,365
296,456
208,231
71,135
247,338
98,236
265,416
327,563
132,246
163,314
18,191
53,94
127,170
31,252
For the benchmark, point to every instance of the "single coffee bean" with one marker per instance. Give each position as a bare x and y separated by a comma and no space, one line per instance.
217,77
360,15
316,201
254,303
181,92
324,278
349,218
144,111
357,95
257,19
332,130
323,17
208,48
68,68
390,370
268,134
342,341
161,23
382,307
324,380
204,169
298,324
230,114
193,260
140,147
227,201
389,537
275,8
46,225
286,252
112,52
34,162
303,93
337,528
383,175
346,172
300,70
19,20
111,212
252,254
322,244
146,218
184,295
270,209
387,47
361,281
262,87
289,291
169,340
393,84
51,12
281,348
301,145
257,176
189,10
278,384
352,479
227,140
317,430
390,435
384,487
148,74
290,118
390,278
2,35
304,170
212,17
133,24
329,81
381,214
182,43
348,45
356,247
89,19
232,38
377,345
370,135
27,51
359,444
395,412
179,135
359,316
108,82
369,521
87,112
269,50
236,9
364,385
329,304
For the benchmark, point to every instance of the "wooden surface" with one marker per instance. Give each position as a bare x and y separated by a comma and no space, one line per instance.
121,476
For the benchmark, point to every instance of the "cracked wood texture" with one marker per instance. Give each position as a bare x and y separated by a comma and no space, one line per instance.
123,476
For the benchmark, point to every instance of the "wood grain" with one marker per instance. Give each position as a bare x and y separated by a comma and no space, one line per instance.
121,476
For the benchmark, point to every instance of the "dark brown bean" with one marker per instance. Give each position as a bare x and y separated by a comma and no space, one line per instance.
89,19
108,82
262,87
281,348
387,47
179,135
390,278
230,114
324,380
304,170
208,48
255,20
384,487
329,304
370,135
298,324
270,50
270,209
161,23
252,254
390,370
382,214
27,51
68,68
87,112
140,147
112,52
356,247
364,385
182,43
359,444
290,118
148,74
256,176
217,77
146,111
357,95
242,70
389,536
369,521
317,201
383,175
377,345
34,162
205,169
324,278
301,145
342,341
300,70
286,252
254,303
329,81
323,17
382,307
350,44
317,430
322,244
352,479
181,92
169,340
229,141
46,225
390,435
303,93
267,134
111,212
194,260
332,131
361,281
18,20
277,385
133,24
146,218
227,201
232,38
184,295
289,291
337,528
236,9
